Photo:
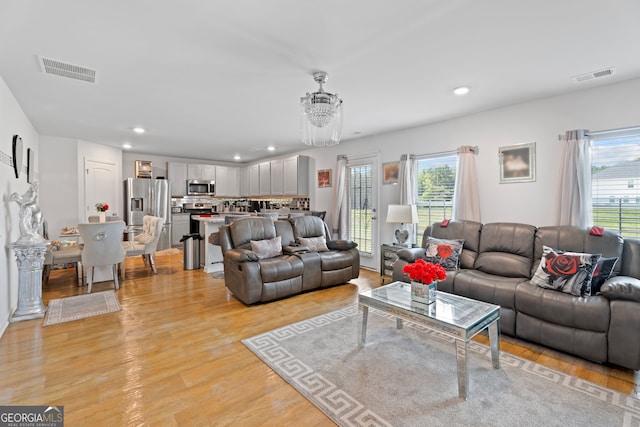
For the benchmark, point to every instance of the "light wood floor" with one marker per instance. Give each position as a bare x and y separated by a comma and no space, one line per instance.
173,355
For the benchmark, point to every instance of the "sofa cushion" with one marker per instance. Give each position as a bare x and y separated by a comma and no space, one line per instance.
602,272
444,252
315,244
267,248
569,272
506,249
469,231
280,268
591,314
244,230
622,287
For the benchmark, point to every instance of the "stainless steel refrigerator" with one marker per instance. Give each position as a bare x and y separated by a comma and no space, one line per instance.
148,197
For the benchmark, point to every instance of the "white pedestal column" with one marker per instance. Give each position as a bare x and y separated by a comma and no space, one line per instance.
30,259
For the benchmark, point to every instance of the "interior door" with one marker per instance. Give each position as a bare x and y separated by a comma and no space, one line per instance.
362,185
100,186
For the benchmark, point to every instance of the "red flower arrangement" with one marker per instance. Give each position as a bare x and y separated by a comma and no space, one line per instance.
425,272
102,207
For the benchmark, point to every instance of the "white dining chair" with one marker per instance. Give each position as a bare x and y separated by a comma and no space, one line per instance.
102,246
145,243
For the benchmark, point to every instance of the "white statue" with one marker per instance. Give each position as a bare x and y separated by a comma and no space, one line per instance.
30,215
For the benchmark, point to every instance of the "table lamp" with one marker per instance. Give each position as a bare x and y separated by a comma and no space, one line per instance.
402,214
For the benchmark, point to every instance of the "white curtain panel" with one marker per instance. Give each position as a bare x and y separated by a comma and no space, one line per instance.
573,201
407,180
466,199
340,200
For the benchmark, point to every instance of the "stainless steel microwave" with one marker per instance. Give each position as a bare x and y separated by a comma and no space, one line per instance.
197,187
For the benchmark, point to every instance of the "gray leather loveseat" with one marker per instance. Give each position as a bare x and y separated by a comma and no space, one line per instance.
265,260
500,263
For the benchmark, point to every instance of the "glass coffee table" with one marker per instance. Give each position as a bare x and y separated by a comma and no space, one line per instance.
452,315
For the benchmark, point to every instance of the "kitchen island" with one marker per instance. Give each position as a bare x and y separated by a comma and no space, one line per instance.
211,259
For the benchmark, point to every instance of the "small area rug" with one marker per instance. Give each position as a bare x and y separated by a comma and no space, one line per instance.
81,306
408,377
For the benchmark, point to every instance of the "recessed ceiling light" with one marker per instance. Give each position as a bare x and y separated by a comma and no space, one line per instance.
462,90
271,148
236,157
126,145
139,130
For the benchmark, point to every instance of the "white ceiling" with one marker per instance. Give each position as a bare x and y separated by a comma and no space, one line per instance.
213,78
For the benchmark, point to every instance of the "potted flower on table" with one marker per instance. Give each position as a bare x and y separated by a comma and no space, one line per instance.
424,280
102,209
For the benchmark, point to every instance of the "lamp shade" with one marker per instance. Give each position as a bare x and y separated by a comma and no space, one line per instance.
402,214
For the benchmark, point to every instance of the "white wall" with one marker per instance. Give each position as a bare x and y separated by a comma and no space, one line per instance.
12,122
62,184
539,121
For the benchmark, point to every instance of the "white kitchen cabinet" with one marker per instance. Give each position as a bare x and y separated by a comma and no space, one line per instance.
233,181
244,182
227,184
254,180
179,227
265,178
277,177
296,176
177,175
194,171
208,173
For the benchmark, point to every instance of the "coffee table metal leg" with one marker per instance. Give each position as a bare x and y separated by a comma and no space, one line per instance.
363,331
463,368
494,341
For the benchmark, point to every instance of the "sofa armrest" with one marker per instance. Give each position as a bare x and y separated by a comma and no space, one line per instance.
341,245
621,287
241,255
295,249
411,254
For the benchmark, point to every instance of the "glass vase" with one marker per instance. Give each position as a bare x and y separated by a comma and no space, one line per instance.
103,216
425,294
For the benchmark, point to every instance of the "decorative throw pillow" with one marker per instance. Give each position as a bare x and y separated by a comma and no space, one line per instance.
268,248
569,272
444,252
315,244
603,270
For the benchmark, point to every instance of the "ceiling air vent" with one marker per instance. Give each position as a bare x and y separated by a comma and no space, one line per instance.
593,75
59,68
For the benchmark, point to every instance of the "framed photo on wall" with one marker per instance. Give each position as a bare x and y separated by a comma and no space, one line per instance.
517,163
390,172
324,178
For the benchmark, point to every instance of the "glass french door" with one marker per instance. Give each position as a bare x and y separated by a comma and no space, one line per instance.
361,208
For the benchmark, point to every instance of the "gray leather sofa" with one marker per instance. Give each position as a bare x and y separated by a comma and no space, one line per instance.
297,268
497,263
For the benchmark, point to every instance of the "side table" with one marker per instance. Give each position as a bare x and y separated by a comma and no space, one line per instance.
388,255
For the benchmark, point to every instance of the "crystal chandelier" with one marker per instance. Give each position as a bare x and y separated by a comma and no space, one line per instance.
321,115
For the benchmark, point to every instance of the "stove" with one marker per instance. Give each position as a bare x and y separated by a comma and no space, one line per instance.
197,208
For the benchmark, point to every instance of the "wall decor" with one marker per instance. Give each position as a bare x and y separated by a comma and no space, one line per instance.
16,154
517,163
144,169
390,172
324,178
31,158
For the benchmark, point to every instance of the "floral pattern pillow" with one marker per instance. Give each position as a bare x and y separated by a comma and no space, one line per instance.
569,272
444,252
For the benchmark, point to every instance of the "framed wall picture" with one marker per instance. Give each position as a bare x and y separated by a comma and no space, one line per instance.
390,172
324,178
517,163
16,155
30,165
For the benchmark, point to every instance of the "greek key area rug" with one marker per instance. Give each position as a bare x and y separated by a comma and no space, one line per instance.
408,377
81,306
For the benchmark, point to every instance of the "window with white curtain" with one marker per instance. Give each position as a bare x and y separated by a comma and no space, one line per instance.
436,178
615,179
